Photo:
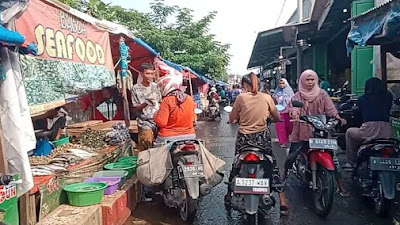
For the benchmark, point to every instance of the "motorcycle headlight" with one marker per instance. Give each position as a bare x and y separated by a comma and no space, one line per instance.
318,124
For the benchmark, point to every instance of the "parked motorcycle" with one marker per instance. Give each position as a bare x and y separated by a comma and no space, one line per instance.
342,91
184,186
314,165
349,112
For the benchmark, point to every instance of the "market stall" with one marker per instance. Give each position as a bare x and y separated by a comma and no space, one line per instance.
73,58
90,148
379,26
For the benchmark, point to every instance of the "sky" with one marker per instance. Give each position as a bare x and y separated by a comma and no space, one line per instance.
237,22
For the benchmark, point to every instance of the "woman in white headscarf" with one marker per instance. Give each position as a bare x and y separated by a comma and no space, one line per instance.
282,96
176,115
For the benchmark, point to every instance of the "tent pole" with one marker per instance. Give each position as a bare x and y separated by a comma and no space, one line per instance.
126,103
3,160
190,84
384,65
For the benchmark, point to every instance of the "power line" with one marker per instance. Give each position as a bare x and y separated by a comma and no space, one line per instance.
280,14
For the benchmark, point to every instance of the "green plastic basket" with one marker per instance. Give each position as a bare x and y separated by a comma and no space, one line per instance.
61,141
132,159
395,126
128,166
85,194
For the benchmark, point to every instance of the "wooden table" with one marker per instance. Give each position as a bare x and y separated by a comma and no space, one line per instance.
76,129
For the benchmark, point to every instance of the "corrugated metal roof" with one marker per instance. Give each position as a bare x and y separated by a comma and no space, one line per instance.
374,9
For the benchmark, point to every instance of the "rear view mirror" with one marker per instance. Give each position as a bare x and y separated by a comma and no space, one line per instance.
280,107
297,104
228,109
198,111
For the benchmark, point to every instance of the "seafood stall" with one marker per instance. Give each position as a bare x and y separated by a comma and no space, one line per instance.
80,156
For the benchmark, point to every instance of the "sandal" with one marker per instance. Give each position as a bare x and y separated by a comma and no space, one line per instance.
284,210
228,198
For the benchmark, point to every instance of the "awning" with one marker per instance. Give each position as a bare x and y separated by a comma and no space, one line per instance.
221,83
268,43
380,25
267,46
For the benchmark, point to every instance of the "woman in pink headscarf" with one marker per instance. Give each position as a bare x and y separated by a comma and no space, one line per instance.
316,102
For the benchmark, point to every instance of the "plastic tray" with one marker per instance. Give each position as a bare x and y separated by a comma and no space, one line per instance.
85,194
130,167
112,183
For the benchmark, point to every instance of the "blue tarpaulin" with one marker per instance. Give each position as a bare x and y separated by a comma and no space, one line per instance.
173,65
221,83
383,25
146,46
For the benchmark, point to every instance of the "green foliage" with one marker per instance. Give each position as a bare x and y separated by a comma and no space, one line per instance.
171,30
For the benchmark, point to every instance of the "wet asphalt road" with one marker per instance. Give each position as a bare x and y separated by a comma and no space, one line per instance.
220,140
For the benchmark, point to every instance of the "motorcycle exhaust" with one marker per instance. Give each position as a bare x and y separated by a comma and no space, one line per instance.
205,189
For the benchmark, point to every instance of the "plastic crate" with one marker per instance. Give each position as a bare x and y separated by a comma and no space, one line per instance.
61,141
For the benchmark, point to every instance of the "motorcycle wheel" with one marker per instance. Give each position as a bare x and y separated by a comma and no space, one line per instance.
251,219
323,196
188,209
381,204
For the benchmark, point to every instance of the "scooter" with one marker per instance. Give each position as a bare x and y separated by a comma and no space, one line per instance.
252,183
213,111
314,165
377,172
184,187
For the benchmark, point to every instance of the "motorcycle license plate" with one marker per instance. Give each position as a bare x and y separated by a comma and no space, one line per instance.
321,143
191,171
251,186
385,164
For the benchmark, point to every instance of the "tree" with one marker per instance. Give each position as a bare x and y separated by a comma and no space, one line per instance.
171,30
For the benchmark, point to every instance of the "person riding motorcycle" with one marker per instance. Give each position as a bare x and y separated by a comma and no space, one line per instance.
374,109
176,114
213,97
316,101
251,110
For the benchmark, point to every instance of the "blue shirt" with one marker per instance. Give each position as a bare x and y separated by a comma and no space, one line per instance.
375,110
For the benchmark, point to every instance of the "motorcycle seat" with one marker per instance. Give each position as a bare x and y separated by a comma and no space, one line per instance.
250,149
380,141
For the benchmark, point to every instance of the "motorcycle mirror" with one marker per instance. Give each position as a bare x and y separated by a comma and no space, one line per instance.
297,104
280,107
228,109
198,111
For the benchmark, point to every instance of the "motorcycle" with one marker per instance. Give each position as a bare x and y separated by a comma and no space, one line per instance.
342,91
213,110
377,171
253,182
184,186
314,165
347,111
